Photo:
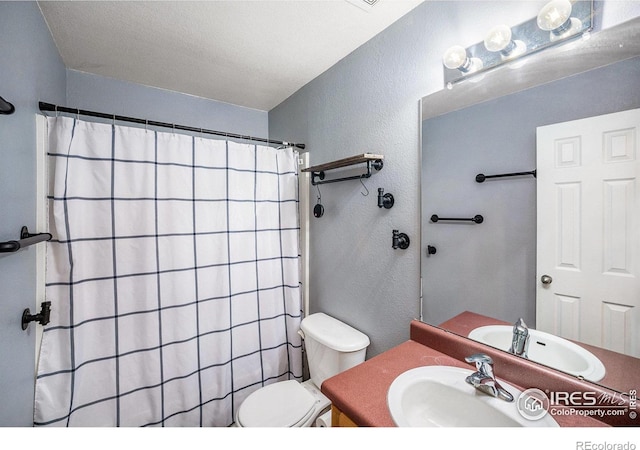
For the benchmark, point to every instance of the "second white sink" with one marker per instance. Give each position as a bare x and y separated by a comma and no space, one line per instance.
439,396
547,349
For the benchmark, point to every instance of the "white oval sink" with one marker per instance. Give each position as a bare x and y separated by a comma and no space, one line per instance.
439,396
547,349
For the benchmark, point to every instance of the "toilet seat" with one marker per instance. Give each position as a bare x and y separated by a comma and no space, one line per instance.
282,404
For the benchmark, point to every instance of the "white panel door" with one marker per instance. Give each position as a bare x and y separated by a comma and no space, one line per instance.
588,249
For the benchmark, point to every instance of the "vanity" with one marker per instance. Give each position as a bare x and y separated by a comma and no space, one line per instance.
359,395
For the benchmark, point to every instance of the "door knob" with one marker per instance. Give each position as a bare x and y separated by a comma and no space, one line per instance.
546,279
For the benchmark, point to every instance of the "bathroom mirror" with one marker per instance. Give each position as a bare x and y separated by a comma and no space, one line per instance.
485,273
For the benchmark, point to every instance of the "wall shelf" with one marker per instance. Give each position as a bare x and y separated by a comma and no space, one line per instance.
372,161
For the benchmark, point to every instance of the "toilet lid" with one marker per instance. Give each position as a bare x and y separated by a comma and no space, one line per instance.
282,404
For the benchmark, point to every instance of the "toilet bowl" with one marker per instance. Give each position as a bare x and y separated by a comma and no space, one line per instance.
283,404
332,347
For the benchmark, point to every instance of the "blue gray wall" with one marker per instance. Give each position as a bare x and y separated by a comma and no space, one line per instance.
97,93
491,268
30,70
368,102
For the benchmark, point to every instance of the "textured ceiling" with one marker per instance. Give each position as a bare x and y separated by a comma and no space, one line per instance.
247,53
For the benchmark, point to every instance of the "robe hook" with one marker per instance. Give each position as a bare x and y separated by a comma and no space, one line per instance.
385,200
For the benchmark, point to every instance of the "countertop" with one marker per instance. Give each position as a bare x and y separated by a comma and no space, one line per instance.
361,392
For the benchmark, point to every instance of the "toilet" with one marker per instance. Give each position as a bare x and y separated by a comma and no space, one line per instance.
332,347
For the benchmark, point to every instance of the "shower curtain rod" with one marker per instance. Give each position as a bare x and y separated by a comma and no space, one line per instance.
50,107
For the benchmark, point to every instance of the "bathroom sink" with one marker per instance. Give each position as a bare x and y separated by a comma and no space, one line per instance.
439,396
547,349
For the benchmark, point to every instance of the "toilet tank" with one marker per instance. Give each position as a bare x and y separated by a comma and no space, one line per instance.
332,346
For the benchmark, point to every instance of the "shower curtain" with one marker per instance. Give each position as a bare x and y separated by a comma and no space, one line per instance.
173,277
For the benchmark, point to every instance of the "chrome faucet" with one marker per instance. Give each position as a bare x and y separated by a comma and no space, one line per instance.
484,380
520,339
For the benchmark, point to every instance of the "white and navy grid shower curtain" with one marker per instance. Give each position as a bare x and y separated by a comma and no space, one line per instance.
173,277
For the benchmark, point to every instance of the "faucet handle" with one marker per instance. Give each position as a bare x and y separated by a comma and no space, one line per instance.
479,358
484,379
484,363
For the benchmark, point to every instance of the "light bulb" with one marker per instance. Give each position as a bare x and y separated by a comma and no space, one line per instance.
455,57
554,14
498,38
555,17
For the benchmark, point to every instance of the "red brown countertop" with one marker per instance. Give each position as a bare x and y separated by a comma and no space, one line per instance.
361,392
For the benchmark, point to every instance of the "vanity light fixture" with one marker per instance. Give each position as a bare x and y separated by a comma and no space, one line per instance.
557,22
